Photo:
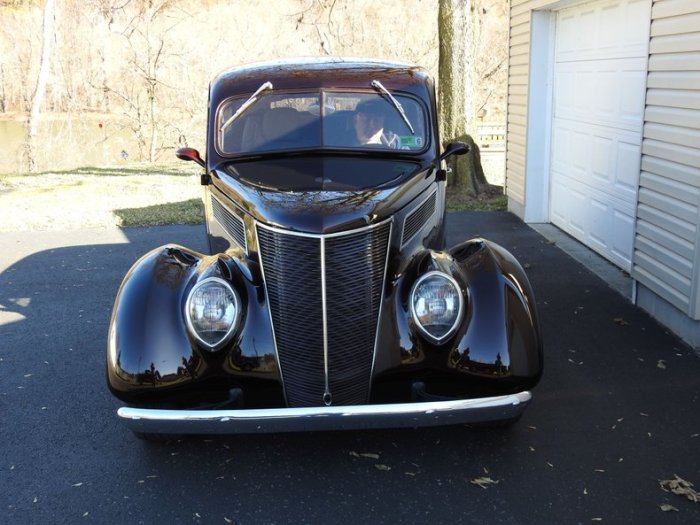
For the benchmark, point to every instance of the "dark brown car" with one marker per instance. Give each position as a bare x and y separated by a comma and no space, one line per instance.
329,299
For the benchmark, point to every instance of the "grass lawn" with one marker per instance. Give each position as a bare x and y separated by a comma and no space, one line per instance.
101,198
132,196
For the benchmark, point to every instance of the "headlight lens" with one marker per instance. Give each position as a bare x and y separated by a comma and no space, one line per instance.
213,310
436,305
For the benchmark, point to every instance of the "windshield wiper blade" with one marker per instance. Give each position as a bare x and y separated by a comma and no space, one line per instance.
379,87
254,97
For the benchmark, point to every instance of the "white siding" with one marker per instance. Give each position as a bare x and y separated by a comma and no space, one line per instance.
518,62
667,243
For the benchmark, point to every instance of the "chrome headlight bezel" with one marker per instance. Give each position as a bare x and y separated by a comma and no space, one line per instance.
460,313
234,323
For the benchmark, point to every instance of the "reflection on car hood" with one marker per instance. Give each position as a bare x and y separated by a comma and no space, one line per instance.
322,194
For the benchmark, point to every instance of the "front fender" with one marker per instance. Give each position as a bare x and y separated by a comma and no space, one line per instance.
503,337
498,340
148,346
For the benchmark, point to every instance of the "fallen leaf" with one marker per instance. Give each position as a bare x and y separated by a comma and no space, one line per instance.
667,508
661,364
532,449
36,499
379,466
585,492
620,321
484,482
680,487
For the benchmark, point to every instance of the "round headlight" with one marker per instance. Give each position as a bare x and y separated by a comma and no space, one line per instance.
436,305
212,311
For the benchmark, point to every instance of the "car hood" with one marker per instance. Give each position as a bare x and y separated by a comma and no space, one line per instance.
322,194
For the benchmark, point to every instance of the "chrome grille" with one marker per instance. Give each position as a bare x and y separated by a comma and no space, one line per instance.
293,268
417,218
231,223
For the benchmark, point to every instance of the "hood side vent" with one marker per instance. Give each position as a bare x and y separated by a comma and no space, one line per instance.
415,220
233,224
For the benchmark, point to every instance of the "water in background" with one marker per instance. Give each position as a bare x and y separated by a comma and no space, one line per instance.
68,142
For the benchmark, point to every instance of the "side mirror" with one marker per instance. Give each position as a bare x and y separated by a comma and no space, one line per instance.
190,154
455,148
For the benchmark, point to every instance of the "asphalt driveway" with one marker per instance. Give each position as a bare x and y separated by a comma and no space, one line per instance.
617,411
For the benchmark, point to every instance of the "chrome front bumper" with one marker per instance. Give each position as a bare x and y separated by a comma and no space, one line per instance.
244,421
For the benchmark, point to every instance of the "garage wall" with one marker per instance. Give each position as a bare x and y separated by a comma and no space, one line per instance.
667,243
518,61
518,71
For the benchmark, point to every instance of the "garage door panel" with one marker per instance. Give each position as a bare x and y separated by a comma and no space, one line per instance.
627,169
623,243
600,157
609,92
600,67
603,30
595,218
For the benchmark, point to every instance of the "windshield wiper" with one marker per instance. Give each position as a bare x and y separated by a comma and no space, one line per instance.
379,87
254,97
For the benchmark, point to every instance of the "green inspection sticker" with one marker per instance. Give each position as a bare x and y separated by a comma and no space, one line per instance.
411,142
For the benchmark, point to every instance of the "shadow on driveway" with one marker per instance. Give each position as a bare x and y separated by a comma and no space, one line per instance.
617,410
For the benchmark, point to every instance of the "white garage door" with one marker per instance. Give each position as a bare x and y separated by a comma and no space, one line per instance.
600,65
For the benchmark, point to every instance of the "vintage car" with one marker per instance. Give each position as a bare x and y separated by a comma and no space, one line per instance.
329,299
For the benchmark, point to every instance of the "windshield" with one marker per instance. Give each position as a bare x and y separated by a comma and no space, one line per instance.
297,121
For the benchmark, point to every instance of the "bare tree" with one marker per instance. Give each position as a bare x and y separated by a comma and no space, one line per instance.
457,27
42,79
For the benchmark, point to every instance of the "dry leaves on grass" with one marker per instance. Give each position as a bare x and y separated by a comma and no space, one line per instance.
680,487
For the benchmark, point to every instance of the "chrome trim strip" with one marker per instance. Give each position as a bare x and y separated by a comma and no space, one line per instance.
243,421
327,396
322,235
381,305
415,210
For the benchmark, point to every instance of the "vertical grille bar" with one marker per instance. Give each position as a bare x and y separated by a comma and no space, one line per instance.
354,266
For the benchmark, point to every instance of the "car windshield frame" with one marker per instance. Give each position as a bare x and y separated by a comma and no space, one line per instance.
323,120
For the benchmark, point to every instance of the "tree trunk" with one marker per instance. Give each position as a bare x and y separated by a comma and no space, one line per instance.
457,24
42,80
456,68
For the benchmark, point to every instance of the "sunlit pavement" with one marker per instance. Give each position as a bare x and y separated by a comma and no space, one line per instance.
617,412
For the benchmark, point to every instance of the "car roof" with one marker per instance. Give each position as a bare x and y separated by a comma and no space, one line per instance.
320,73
